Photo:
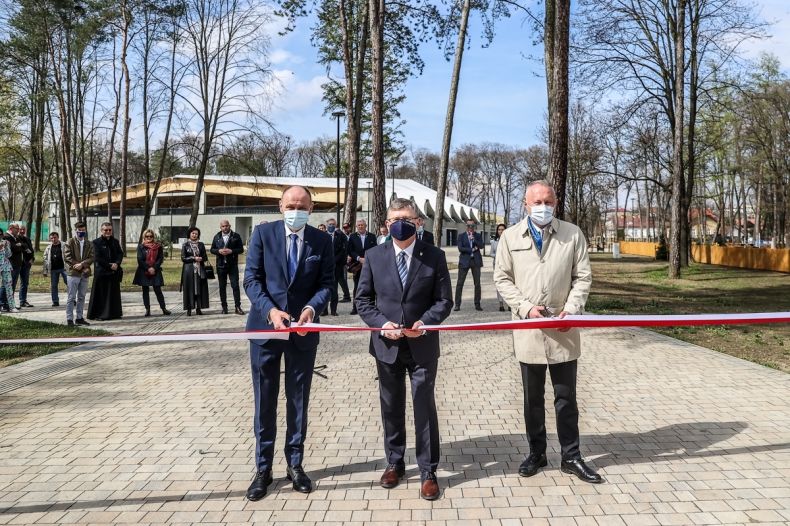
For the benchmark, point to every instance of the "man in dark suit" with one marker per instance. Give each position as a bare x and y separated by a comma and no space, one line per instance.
289,276
339,246
227,245
405,284
358,243
469,245
424,235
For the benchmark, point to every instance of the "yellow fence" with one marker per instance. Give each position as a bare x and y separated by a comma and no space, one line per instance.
638,248
776,259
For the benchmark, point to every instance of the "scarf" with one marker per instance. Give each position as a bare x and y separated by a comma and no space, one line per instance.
536,236
195,248
152,254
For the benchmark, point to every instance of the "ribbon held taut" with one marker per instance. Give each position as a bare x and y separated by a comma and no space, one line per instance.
571,321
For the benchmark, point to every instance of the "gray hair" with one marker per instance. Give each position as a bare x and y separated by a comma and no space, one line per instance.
541,182
106,223
399,204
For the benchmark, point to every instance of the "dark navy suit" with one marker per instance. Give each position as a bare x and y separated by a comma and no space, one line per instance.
426,237
469,258
266,284
426,296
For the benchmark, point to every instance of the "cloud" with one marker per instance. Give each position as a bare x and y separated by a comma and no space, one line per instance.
282,56
777,14
295,94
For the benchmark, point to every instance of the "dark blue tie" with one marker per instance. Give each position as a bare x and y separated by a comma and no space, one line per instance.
293,257
403,271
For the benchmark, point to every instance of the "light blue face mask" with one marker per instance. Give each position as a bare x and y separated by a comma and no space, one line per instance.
296,219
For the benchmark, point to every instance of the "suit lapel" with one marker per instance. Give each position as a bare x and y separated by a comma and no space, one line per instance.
281,248
307,249
414,266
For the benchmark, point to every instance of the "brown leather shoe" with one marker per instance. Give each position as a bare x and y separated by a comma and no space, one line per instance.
392,475
429,490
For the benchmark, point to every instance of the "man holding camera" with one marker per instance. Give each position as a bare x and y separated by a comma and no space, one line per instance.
543,269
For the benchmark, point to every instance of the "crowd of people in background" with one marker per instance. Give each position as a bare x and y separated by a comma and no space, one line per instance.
74,261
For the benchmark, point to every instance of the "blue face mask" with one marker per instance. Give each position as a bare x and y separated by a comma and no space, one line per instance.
330,229
81,234
402,229
296,219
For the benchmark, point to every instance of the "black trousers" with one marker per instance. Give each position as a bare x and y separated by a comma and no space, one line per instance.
356,284
159,297
340,279
223,273
392,395
459,287
563,378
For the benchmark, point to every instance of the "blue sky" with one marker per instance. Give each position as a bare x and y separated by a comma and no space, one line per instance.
502,96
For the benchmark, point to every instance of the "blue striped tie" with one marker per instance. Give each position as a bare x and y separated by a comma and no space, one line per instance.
402,270
293,257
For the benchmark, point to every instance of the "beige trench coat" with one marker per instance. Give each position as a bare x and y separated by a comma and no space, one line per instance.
559,278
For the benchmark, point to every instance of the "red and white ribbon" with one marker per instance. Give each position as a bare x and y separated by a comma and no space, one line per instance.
577,321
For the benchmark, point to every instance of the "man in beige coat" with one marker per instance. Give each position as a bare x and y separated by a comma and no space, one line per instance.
543,269
78,256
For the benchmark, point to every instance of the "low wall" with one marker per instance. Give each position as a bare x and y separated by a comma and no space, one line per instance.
777,259
638,248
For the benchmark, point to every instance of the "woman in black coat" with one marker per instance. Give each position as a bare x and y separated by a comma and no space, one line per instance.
150,256
194,284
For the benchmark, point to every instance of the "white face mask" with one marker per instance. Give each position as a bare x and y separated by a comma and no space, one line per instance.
296,219
541,215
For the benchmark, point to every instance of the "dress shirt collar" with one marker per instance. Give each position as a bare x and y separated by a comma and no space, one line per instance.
409,250
288,232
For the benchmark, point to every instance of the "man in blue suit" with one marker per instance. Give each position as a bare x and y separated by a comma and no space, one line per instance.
405,284
469,245
289,277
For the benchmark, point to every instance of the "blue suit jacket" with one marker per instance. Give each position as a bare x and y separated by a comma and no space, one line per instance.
266,278
427,296
468,258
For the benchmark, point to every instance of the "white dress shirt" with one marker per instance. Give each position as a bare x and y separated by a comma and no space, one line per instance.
299,241
409,252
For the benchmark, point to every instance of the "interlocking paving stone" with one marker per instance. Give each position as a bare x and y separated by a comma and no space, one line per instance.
162,434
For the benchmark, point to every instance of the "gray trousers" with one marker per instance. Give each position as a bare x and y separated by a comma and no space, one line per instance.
77,288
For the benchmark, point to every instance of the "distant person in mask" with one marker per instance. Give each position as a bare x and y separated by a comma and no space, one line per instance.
405,284
289,278
78,255
543,269
422,234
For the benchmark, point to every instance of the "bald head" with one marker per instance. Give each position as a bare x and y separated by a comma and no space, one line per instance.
296,198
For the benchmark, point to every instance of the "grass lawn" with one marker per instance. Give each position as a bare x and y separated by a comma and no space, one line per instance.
171,270
635,285
19,327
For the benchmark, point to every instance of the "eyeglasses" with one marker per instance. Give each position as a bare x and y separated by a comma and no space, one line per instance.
393,219
148,237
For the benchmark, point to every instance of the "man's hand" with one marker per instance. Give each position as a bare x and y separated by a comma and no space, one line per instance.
280,319
415,331
78,266
114,266
538,311
306,317
560,316
198,259
225,251
361,259
392,331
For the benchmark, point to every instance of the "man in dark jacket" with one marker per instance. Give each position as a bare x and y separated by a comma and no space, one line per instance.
340,248
227,245
28,256
406,284
424,235
17,260
358,243
469,257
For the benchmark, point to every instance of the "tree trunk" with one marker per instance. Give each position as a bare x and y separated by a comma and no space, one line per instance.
444,167
377,13
126,123
556,43
676,223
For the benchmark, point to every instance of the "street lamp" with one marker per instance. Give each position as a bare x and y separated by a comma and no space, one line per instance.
337,115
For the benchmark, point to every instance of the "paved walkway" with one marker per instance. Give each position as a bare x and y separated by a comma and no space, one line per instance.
162,434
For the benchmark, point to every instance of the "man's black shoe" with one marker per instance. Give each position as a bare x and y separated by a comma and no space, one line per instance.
301,481
70,323
353,311
257,489
457,308
580,469
56,304
224,310
239,311
532,465
333,313
81,321
325,313
26,304
345,300
478,307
